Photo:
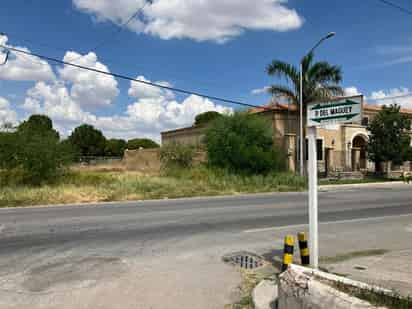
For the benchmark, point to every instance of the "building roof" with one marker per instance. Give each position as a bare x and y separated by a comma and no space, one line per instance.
184,129
276,106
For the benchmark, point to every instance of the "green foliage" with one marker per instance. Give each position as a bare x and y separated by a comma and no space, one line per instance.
139,143
8,150
115,147
37,124
88,141
207,117
389,139
176,155
33,154
320,80
242,143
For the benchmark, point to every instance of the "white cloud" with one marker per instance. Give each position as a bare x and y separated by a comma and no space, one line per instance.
153,112
21,67
260,91
55,101
212,20
144,91
87,87
7,115
382,97
351,91
163,112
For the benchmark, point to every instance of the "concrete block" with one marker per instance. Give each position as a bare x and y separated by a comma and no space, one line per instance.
265,295
302,288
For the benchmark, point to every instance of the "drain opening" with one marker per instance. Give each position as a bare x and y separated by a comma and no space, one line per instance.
244,260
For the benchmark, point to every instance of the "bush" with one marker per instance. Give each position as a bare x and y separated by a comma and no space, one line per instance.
139,143
88,141
176,155
115,147
207,117
242,143
33,154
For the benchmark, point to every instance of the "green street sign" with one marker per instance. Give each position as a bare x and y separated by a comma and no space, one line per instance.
346,110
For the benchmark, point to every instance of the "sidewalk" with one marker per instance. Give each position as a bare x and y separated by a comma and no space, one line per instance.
392,270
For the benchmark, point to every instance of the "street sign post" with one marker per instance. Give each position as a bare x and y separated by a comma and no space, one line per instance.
339,111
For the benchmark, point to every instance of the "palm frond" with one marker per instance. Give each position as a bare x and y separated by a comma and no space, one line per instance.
323,72
307,62
283,91
282,69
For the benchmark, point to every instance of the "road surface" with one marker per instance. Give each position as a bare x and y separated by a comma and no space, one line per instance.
167,254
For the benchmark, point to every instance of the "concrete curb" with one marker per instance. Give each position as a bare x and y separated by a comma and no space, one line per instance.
363,185
304,288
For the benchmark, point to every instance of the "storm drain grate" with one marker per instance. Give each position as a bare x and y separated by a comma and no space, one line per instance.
244,260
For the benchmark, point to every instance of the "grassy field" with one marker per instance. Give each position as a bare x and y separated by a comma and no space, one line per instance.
89,187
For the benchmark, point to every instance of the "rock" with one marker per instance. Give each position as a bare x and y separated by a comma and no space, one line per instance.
265,295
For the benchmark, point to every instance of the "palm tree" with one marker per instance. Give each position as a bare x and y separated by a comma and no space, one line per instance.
320,80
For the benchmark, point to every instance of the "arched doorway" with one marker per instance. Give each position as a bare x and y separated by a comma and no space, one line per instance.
359,160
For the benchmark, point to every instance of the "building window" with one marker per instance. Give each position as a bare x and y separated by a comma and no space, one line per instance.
319,149
365,121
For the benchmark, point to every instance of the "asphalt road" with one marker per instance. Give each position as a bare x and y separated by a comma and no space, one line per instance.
148,254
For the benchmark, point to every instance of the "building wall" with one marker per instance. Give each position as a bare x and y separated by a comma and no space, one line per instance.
187,136
338,152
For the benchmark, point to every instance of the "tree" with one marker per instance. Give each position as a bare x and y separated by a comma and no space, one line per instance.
242,143
88,141
38,124
115,147
320,80
41,156
389,139
33,152
207,117
139,143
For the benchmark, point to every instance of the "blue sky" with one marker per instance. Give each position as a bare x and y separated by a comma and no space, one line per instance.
215,48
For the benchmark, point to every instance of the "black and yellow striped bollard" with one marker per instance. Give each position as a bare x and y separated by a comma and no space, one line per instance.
288,252
304,249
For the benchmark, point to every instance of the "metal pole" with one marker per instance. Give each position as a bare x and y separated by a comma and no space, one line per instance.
301,137
313,199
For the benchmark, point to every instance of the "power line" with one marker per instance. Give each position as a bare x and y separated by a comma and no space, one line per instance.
120,76
120,28
396,6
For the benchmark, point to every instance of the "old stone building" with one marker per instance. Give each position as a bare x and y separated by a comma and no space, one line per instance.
341,148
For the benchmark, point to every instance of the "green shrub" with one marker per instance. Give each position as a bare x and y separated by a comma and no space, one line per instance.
88,141
115,147
176,155
12,177
33,154
207,117
144,143
242,143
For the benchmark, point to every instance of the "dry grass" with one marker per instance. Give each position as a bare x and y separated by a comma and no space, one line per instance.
90,187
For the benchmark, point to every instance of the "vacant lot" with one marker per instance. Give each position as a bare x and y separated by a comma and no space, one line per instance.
87,187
